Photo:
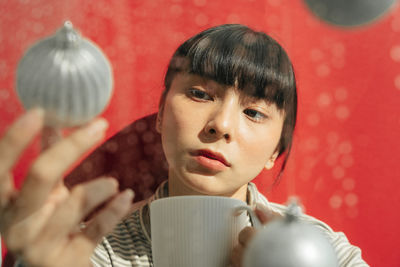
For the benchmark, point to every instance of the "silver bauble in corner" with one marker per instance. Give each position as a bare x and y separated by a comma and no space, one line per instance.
290,242
349,13
66,75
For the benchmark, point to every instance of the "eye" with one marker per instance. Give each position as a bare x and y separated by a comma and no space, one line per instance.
199,94
255,115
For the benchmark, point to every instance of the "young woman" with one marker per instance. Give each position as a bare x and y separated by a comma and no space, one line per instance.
228,111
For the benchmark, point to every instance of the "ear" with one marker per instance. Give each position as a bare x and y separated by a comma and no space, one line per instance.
159,117
270,163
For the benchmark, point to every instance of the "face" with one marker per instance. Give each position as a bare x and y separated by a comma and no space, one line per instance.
215,138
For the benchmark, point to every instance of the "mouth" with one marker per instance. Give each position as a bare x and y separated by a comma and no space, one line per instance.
212,156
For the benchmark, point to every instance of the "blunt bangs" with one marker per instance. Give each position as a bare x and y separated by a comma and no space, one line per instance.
234,55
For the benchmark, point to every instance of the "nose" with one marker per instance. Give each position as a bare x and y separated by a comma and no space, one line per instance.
222,122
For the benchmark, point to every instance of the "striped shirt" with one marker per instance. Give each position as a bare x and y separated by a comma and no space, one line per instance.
130,243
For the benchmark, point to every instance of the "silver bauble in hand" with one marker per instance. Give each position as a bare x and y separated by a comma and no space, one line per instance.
290,242
66,75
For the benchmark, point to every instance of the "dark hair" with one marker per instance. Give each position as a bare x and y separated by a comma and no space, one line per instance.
235,55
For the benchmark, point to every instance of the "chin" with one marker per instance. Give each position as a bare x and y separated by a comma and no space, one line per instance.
206,185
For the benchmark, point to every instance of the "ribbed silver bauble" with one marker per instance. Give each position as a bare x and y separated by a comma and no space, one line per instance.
68,76
290,242
349,13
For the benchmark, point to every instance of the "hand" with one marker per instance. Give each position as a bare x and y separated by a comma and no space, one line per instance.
264,215
39,222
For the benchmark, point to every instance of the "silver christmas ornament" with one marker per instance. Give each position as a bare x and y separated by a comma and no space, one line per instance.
68,76
290,242
349,13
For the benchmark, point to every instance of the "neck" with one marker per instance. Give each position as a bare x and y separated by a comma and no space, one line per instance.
177,188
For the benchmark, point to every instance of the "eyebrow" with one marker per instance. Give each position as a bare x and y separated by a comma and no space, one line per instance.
244,97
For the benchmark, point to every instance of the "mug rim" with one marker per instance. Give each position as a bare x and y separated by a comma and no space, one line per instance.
199,197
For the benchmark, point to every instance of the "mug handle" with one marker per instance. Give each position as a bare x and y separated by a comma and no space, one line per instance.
256,222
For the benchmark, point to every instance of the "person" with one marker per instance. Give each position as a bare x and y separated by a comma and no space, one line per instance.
228,111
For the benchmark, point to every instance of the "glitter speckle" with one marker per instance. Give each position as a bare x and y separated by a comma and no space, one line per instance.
201,19
332,138
132,139
141,126
323,70
338,49
148,137
348,184
397,82
111,146
176,10
335,201
4,94
324,100
338,172
87,167
347,160
37,13
395,53
312,143
345,147
274,2
396,24
316,54
4,69
313,119
352,212
200,2
38,28
341,94
342,112
331,159
351,199
233,18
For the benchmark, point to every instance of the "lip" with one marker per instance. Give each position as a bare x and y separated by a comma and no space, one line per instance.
212,156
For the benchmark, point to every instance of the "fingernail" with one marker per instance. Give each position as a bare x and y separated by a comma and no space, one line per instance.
98,126
113,182
127,195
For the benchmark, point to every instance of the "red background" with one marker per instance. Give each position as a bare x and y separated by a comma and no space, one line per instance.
345,165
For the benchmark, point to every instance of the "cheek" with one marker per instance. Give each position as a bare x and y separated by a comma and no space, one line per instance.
177,121
259,145
177,128
256,154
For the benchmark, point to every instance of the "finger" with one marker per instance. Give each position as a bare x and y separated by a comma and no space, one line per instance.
14,141
83,199
245,235
23,232
6,190
74,252
106,220
59,194
265,214
237,255
54,162
20,235
17,137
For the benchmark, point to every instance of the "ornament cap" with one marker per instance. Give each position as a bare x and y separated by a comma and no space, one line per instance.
67,36
294,210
